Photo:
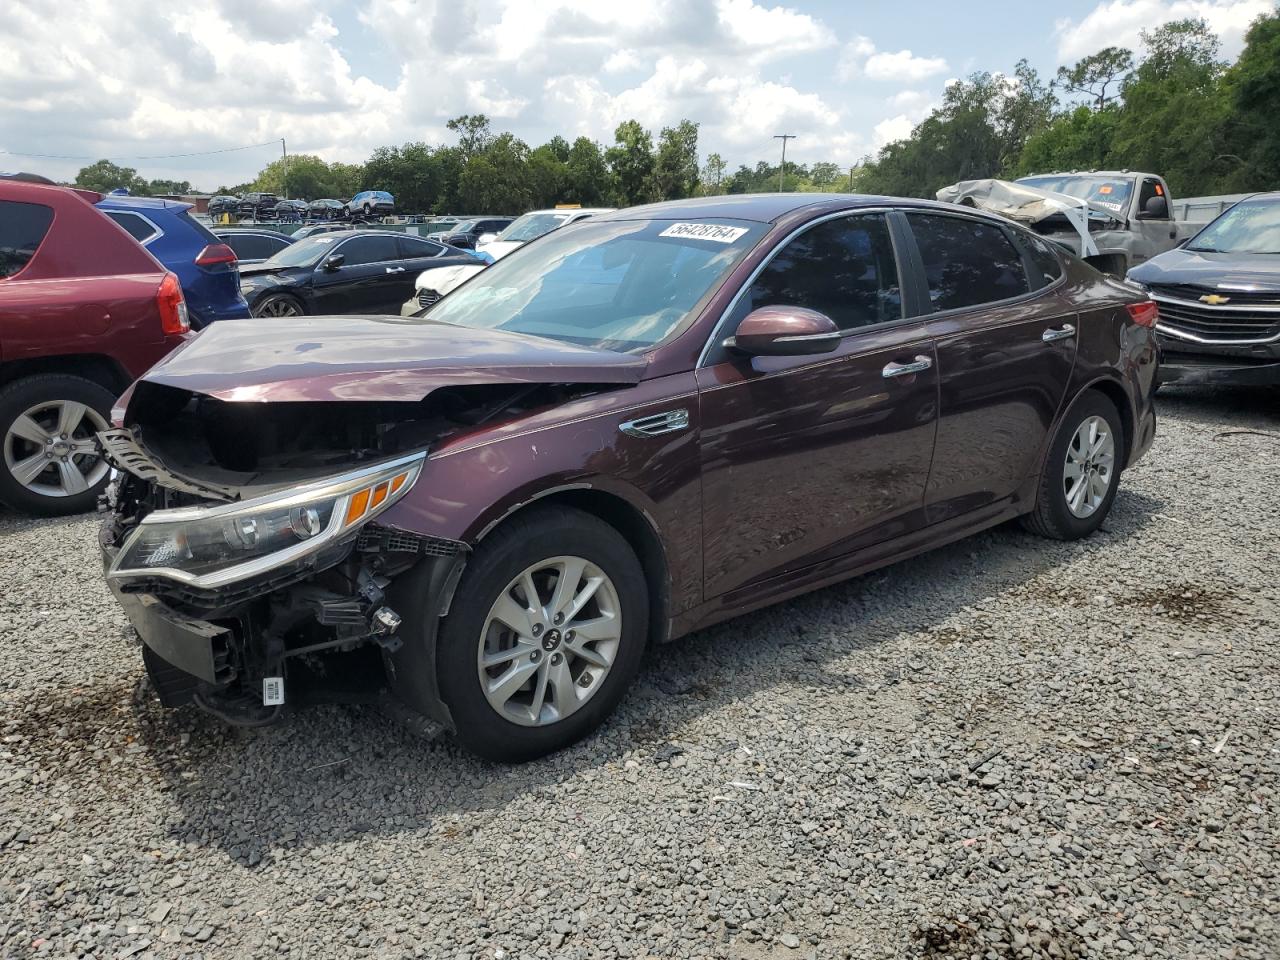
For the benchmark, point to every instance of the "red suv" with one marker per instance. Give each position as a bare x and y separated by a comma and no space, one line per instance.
84,310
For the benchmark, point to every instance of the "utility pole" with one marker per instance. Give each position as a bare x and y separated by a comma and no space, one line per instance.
784,137
284,152
851,179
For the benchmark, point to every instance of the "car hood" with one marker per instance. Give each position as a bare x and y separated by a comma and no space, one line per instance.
1225,271
374,359
499,248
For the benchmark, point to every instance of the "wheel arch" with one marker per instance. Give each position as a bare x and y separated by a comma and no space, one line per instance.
1114,392
632,521
97,368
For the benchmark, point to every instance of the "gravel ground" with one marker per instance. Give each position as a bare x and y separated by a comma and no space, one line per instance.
1007,748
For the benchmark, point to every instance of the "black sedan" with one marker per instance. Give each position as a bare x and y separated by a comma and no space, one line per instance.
1219,299
326,210
347,271
466,233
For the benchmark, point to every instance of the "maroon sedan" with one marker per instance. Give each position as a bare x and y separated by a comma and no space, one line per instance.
632,428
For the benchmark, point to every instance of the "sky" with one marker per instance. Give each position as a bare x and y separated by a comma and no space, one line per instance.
138,81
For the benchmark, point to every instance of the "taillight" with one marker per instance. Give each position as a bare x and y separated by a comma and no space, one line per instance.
214,254
1143,314
173,308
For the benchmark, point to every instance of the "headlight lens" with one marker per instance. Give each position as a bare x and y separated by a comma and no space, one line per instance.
212,546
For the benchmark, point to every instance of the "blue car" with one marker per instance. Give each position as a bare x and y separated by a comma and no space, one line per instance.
206,267
369,203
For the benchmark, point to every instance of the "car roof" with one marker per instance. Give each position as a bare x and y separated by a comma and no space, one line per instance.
344,234
117,202
218,228
766,207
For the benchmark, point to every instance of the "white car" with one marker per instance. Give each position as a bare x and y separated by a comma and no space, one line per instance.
531,226
433,284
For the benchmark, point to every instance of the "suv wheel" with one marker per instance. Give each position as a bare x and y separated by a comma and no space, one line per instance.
547,630
49,460
1082,472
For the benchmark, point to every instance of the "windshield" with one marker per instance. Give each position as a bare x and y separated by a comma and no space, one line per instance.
304,253
1110,192
466,226
621,285
531,226
1251,226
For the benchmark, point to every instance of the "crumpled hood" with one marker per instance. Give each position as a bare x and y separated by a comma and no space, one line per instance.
1225,271
1017,201
373,359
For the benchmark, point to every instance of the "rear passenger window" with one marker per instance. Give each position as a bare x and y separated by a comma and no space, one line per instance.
1048,266
967,262
844,268
138,228
22,228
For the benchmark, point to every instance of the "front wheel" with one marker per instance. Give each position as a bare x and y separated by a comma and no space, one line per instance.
49,462
546,633
1081,475
279,305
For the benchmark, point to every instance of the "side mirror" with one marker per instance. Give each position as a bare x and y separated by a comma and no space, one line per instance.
333,262
1156,208
785,332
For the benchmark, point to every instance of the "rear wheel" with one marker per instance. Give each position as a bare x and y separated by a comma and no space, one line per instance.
546,633
49,460
1081,475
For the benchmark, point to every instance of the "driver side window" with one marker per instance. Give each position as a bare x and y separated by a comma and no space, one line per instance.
844,268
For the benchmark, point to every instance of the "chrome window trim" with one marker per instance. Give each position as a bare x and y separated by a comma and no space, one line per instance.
715,336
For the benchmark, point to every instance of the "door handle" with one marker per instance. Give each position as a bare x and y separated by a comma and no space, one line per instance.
656,425
395,269
1058,333
895,369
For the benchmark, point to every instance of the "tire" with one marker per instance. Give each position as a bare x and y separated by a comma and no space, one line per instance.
367,210
468,631
279,305
31,410
1057,514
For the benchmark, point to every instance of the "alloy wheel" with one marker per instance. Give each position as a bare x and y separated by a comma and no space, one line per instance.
1089,467
549,641
280,307
50,448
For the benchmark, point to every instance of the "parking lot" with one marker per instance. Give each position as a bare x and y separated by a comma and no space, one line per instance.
1010,747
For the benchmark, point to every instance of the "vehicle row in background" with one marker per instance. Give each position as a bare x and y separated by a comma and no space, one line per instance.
84,309
1219,299
260,207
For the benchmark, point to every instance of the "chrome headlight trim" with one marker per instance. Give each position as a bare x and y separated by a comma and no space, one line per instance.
339,490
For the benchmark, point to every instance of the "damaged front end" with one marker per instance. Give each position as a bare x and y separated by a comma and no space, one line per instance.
235,602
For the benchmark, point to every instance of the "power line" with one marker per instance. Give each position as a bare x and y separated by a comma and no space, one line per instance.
784,137
155,156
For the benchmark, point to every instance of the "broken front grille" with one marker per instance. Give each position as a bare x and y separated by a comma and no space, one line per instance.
427,298
376,539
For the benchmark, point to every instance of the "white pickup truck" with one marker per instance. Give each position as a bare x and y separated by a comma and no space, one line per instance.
1114,219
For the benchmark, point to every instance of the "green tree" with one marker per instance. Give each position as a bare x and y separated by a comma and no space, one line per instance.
156,188
1098,76
474,135
675,169
1176,110
631,160
1253,90
104,176
1080,139
548,174
589,181
411,172
713,175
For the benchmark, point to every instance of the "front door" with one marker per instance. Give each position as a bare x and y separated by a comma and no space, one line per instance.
359,285
1153,235
1005,355
807,458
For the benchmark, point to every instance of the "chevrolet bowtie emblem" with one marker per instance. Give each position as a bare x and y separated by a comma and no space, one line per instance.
1213,300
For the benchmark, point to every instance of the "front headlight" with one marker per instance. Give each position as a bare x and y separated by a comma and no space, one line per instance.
209,547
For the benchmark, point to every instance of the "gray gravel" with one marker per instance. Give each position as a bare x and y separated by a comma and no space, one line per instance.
1008,748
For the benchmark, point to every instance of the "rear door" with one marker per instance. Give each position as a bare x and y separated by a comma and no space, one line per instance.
1005,345
807,459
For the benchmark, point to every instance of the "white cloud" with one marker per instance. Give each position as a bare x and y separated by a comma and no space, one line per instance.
894,128
860,56
1118,23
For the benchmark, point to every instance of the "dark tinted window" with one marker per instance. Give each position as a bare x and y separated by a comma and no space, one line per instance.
844,268
1048,265
359,250
413,247
138,228
967,262
22,227
250,246
203,232
1151,188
